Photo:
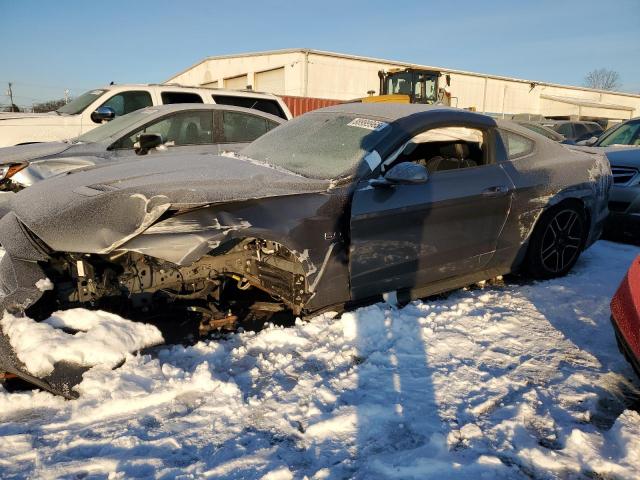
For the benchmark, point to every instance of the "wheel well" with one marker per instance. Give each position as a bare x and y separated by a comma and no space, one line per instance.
576,202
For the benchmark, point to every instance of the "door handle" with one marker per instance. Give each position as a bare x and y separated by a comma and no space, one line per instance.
495,191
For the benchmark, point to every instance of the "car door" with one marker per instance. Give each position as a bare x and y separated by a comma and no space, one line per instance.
407,236
190,131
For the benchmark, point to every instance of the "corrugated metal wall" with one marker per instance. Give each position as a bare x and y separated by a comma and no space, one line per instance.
300,105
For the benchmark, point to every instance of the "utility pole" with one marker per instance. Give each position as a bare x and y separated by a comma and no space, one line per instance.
10,95
66,96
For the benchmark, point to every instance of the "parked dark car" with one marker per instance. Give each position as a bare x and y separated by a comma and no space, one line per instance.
621,146
334,207
625,315
624,134
574,130
542,130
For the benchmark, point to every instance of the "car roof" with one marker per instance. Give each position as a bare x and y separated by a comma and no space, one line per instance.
392,111
537,124
561,122
187,88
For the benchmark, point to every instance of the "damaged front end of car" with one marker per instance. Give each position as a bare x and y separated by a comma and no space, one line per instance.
191,271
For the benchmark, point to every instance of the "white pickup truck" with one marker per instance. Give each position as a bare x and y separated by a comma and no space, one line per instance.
94,107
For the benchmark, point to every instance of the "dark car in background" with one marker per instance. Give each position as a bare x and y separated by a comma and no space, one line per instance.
575,131
621,146
624,134
335,207
542,130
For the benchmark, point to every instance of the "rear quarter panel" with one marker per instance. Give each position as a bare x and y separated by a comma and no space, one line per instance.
549,175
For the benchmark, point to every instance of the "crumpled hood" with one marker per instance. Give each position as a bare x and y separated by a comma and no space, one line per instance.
24,153
96,210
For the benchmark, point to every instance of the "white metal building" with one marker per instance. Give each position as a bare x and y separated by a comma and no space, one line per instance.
319,74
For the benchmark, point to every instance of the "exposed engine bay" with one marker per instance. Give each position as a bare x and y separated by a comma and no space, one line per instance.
244,280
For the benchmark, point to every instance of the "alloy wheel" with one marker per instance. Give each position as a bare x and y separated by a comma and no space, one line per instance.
562,240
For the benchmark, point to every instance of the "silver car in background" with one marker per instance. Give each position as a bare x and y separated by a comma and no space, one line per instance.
159,130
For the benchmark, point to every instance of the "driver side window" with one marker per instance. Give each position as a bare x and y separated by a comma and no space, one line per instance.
127,102
179,129
447,148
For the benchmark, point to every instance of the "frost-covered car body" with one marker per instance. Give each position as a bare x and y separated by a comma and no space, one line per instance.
625,315
337,206
184,128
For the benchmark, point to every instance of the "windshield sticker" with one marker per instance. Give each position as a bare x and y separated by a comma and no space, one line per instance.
368,124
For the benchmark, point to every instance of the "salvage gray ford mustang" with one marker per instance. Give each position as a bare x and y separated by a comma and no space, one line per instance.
338,206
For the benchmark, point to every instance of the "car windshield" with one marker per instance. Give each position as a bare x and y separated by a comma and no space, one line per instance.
627,133
79,104
319,145
115,126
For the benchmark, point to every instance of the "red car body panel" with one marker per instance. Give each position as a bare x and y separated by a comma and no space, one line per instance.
625,314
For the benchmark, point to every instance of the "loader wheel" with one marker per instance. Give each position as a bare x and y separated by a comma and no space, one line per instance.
557,241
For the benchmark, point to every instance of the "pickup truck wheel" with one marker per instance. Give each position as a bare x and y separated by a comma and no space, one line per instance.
557,241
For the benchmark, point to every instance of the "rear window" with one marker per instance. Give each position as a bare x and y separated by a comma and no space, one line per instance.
517,145
180,97
581,130
564,129
241,127
594,127
262,104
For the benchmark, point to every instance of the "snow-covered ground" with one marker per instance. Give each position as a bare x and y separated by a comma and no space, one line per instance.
514,381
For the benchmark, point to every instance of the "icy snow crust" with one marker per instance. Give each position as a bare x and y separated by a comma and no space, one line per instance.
96,338
519,381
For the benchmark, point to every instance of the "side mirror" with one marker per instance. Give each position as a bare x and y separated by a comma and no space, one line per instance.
103,114
147,141
591,141
405,173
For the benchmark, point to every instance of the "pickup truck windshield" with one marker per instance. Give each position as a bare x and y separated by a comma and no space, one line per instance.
115,126
319,145
79,104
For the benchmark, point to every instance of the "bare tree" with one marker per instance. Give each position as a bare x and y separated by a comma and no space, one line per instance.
48,106
602,79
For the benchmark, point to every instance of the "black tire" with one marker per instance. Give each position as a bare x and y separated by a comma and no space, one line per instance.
557,241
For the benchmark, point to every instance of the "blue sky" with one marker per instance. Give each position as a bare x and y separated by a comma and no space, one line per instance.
46,47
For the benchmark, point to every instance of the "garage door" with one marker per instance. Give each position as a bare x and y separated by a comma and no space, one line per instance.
236,83
271,81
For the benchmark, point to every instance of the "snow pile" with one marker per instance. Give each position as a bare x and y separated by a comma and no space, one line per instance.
520,381
99,338
44,284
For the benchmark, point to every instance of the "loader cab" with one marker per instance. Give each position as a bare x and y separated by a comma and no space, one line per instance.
421,86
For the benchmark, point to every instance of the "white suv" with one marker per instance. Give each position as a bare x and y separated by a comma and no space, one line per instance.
95,107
